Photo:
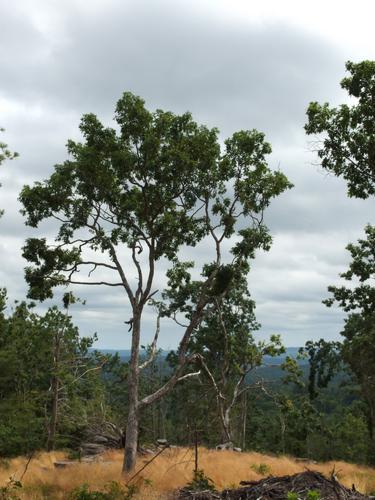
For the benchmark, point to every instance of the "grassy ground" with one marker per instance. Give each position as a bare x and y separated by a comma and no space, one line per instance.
168,472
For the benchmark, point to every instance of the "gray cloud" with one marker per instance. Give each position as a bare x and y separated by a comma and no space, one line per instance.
60,60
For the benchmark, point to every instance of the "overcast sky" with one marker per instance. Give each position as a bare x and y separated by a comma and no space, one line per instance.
235,65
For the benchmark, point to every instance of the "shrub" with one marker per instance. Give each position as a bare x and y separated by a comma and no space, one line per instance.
261,469
10,491
200,482
113,491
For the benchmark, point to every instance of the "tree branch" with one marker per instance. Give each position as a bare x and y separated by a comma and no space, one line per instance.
94,283
139,270
188,375
121,273
153,346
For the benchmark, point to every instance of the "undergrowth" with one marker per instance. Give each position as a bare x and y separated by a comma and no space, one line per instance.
112,491
200,482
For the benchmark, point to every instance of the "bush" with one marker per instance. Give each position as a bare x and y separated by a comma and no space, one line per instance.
113,491
262,469
200,482
10,491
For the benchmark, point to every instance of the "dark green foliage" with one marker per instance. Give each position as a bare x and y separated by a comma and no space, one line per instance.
357,348
262,469
28,367
348,145
200,482
226,352
10,490
313,495
113,491
362,269
325,361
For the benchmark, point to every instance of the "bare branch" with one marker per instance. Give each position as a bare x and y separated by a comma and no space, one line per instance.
96,264
178,322
189,375
139,270
121,273
225,367
153,346
210,376
150,278
94,283
83,374
212,232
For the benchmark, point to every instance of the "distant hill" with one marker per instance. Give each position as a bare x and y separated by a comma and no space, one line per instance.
270,370
269,361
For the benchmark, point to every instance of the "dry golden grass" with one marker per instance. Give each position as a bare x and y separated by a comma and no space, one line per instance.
168,472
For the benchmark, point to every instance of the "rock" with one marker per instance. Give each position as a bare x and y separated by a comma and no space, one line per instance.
99,439
162,442
92,449
62,464
148,451
305,460
238,450
225,446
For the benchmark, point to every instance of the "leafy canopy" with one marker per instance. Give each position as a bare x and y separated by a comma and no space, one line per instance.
348,145
156,182
360,298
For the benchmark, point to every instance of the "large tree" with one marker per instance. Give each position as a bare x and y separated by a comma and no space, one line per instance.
346,134
129,199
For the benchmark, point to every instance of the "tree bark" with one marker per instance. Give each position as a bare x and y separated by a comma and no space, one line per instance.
131,439
132,426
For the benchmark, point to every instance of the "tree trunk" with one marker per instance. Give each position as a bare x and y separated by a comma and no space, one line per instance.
54,415
282,433
244,419
226,431
131,440
132,426
55,395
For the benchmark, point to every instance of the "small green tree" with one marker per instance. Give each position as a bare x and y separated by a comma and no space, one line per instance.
227,350
134,197
70,364
47,378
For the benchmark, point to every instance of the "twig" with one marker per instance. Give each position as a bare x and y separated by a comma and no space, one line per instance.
27,465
